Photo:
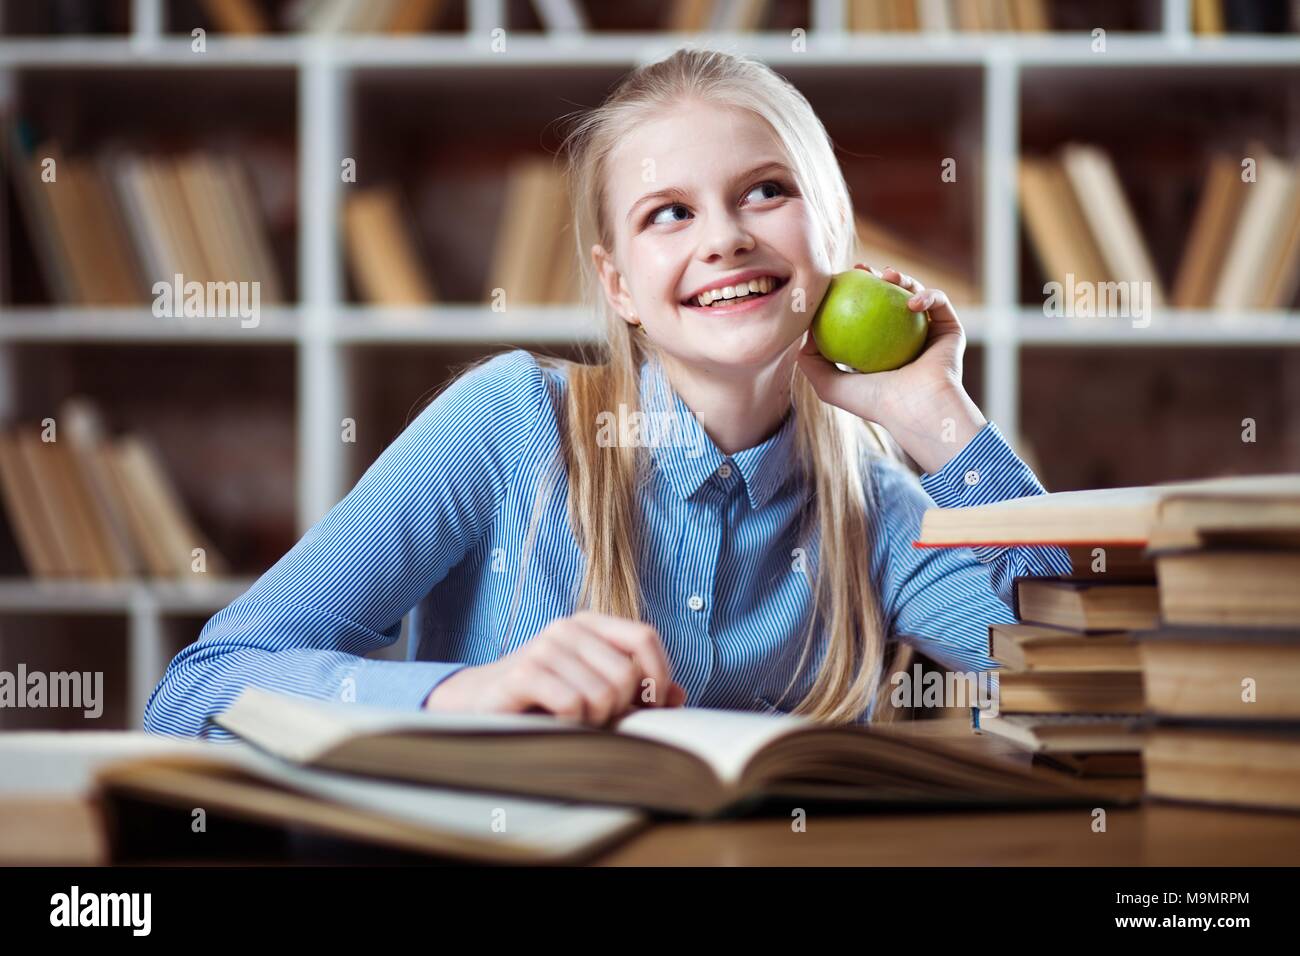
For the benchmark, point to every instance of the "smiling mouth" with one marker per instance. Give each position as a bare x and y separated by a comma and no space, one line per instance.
772,283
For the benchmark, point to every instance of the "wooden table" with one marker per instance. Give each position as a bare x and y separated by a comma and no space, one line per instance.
1154,834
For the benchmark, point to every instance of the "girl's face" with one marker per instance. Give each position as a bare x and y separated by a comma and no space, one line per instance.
701,198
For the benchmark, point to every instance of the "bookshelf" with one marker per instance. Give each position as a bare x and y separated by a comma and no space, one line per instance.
392,102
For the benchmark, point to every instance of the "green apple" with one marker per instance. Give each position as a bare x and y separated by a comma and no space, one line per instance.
863,322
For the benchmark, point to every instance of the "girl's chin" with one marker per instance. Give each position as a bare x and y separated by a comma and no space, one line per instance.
742,348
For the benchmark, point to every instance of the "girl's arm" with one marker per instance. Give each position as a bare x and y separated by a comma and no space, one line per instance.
343,589
941,599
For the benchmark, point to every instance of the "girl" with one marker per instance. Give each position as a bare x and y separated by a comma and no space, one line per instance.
703,514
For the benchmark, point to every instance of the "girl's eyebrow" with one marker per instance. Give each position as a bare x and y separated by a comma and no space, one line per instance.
674,192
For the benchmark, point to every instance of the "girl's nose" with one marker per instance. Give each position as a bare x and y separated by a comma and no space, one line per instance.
724,237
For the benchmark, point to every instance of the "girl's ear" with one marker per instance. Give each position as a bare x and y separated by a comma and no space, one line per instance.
612,284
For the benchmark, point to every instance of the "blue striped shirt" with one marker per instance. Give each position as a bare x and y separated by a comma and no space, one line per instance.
438,522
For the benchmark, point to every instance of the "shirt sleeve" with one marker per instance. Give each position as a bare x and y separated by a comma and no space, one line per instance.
942,600
342,590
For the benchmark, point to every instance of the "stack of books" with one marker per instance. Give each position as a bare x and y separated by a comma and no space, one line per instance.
1077,686
1070,683
1223,670
82,504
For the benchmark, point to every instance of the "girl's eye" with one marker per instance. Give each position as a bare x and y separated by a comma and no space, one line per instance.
654,216
769,184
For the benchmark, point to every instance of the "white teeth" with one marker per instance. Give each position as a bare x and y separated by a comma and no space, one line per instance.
761,285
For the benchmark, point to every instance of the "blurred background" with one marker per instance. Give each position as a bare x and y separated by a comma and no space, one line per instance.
378,168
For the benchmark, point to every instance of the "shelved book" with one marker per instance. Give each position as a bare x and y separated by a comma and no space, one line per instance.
385,263
1214,17
1081,224
87,505
944,16
105,229
332,16
533,259
678,761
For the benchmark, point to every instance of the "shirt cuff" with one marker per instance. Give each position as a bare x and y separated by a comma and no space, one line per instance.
401,685
986,470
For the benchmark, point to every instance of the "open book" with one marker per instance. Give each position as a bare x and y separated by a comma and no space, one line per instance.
684,760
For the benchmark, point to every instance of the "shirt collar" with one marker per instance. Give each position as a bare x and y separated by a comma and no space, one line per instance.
684,452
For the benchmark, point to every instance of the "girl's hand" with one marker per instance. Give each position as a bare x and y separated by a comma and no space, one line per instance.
591,666
923,404
882,396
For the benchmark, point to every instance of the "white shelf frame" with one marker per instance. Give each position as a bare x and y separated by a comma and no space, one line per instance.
324,329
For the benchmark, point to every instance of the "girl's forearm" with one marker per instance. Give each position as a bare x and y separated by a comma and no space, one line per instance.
936,428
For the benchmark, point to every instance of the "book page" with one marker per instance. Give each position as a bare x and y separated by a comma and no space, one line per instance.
302,730
549,826
725,739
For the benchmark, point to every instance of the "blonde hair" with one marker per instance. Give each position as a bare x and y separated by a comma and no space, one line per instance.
832,446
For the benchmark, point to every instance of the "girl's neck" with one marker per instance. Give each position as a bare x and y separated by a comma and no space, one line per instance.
735,411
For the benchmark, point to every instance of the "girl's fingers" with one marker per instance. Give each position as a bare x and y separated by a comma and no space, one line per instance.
942,317
553,694
600,698
902,279
633,637
616,667
844,389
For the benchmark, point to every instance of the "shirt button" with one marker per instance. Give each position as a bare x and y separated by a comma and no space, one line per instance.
695,602
724,471
972,477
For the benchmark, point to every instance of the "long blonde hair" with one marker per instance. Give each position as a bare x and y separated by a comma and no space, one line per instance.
831,445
